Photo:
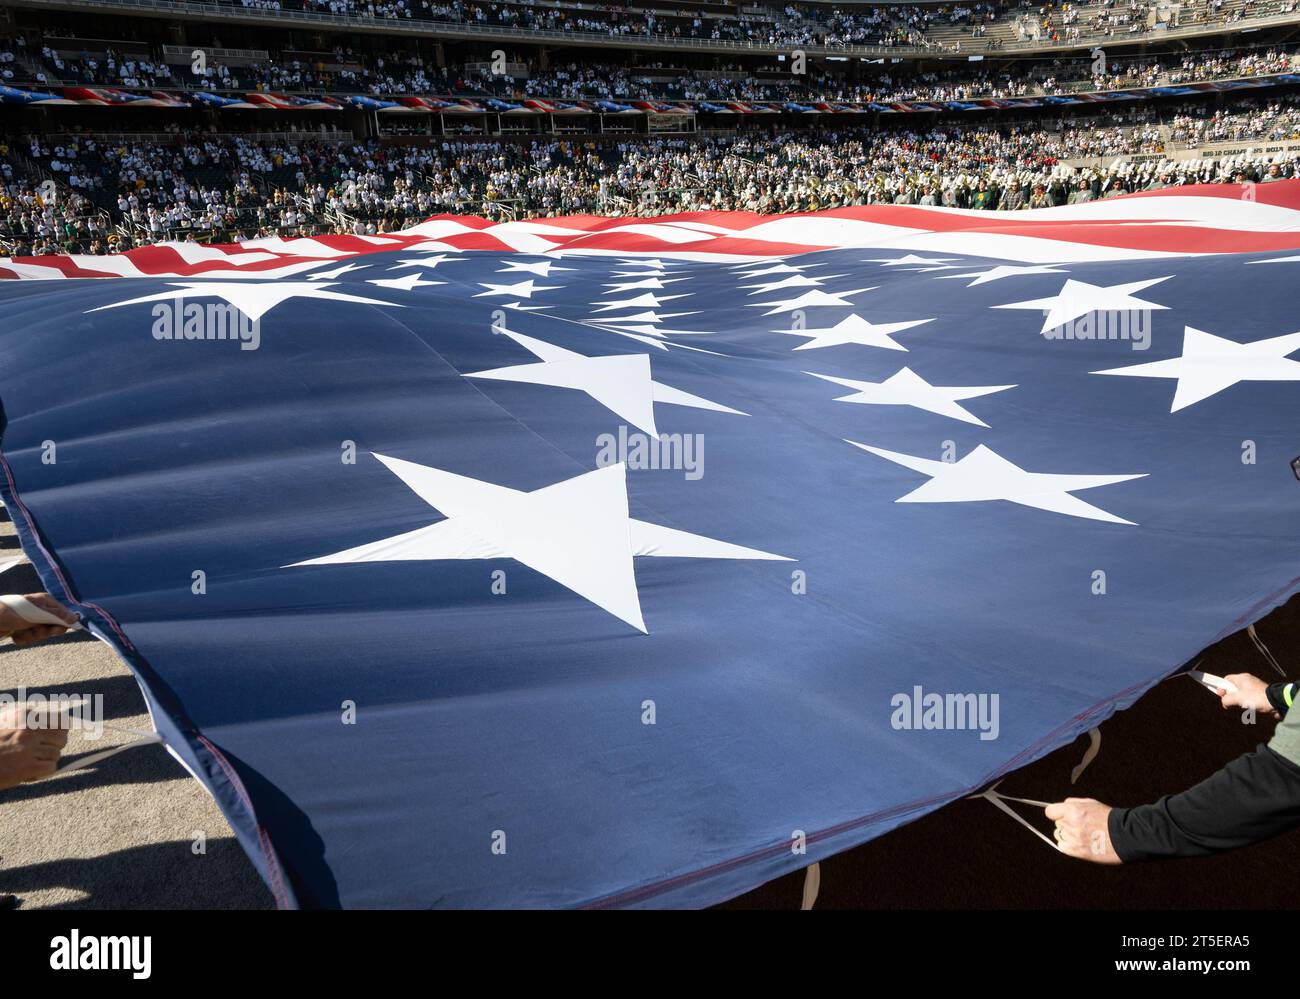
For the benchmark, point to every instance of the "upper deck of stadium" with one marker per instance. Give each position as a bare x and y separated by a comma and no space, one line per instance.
843,30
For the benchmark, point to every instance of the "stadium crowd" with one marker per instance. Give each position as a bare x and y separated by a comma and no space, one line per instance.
103,194
797,24
396,74
794,25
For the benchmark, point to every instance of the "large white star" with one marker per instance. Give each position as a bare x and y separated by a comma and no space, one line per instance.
577,532
1078,298
618,287
337,272
621,383
984,475
430,262
523,289
743,270
809,298
649,299
253,299
855,329
906,388
654,262
639,317
408,282
793,281
1209,364
645,328
999,272
912,261
542,268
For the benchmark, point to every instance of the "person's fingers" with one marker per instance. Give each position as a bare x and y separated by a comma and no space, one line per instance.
1056,811
57,737
43,768
37,633
1077,850
47,603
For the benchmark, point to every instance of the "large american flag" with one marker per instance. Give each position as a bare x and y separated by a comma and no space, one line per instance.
612,562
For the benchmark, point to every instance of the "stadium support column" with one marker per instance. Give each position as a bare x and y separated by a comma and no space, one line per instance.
543,59
439,55
362,124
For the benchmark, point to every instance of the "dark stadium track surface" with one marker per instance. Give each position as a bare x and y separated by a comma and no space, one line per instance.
971,856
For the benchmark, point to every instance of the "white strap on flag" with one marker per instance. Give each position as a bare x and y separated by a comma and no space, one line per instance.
812,884
1094,747
139,737
32,614
1263,650
999,800
146,739
142,738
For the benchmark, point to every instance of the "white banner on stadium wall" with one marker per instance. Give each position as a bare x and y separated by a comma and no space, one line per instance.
1209,151
656,122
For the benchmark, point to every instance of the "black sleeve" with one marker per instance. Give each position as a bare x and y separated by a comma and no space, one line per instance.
1278,695
1253,798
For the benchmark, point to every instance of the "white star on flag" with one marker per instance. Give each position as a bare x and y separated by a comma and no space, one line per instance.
576,532
542,268
808,299
640,262
640,301
408,282
743,270
617,288
337,272
912,260
984,475
857,330
430,262
524,289
640,317
1209,364
999,272
646,328
621,383
253,299
1078,298
906,388
793,281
